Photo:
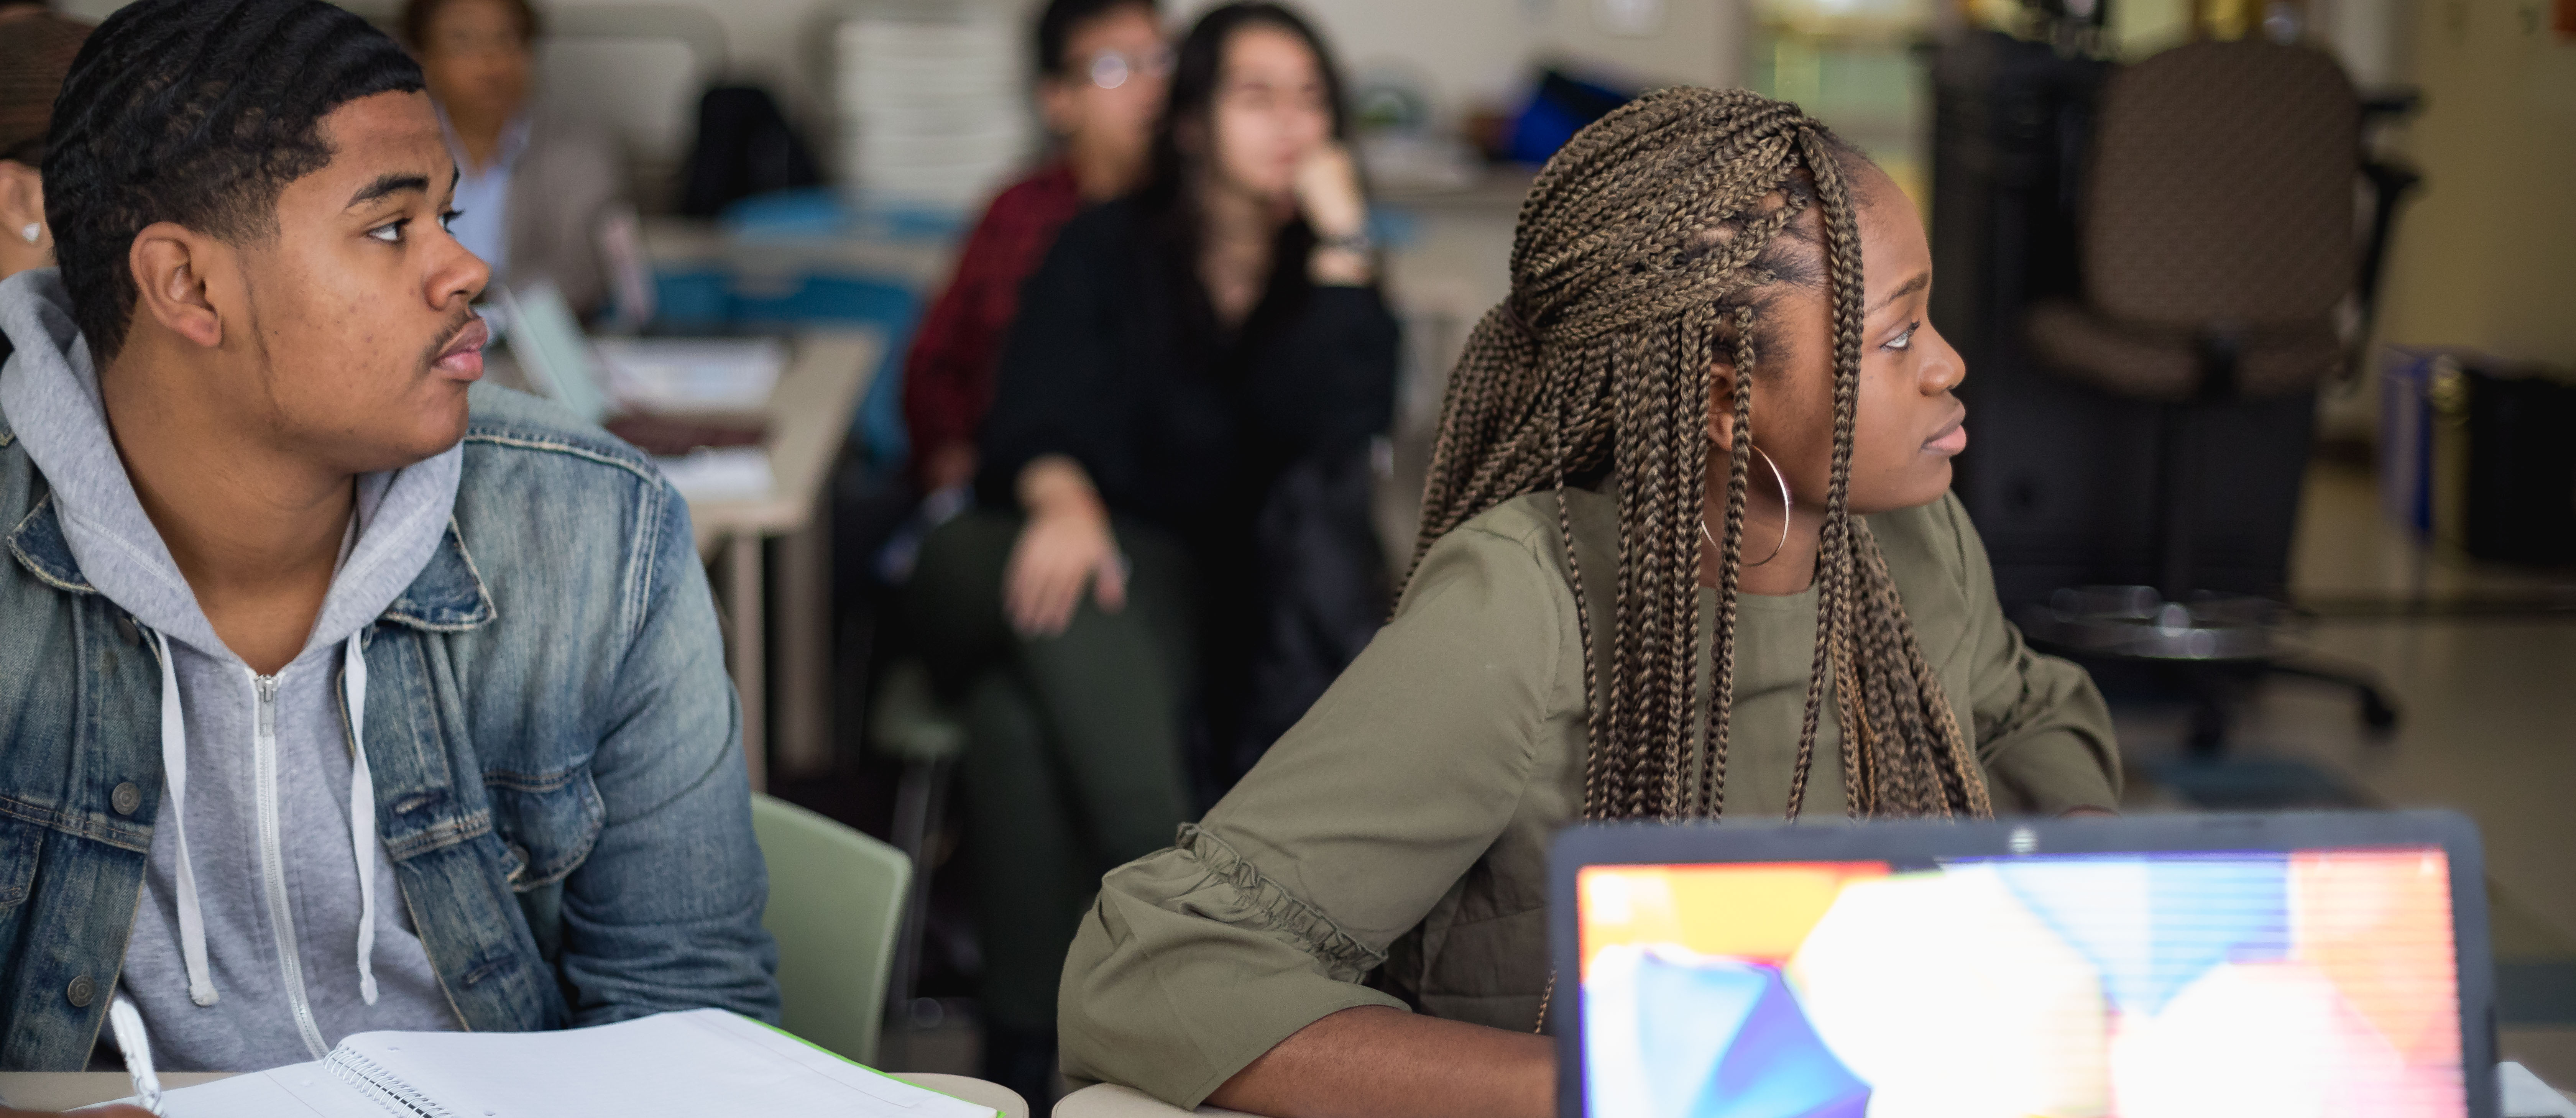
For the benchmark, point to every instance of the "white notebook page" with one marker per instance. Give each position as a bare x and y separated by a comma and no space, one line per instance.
694,1063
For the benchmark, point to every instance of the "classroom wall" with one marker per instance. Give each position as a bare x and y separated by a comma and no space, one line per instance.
1465,53
1474,52
2486,255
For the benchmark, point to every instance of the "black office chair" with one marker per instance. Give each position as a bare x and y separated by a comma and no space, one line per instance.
2218,250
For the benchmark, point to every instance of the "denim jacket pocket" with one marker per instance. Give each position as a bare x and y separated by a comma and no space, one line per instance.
549,820
21,844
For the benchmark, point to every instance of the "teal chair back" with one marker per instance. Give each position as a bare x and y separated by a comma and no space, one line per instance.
835,906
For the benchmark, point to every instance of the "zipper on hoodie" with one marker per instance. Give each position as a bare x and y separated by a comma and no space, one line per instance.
272,862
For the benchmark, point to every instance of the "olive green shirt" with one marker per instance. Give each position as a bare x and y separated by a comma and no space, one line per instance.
1402,827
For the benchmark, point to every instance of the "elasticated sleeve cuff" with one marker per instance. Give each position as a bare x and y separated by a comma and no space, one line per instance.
1192,964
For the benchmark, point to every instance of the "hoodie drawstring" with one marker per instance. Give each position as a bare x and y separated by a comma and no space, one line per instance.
362,821
174,767
362,813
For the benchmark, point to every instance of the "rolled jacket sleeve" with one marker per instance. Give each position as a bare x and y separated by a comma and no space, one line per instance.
2041,728
1197,959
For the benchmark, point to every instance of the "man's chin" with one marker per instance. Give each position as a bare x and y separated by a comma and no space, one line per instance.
428,438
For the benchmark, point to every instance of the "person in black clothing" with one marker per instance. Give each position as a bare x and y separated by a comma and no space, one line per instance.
1171,549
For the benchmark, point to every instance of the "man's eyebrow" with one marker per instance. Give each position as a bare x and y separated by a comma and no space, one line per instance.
1920,281
386,184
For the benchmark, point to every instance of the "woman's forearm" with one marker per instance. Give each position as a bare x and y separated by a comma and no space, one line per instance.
1378,1062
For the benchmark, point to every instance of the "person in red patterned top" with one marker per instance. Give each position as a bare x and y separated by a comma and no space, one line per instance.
1102,69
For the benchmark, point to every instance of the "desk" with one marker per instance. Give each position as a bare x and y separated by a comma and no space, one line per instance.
62,1090
809,418
1109,1100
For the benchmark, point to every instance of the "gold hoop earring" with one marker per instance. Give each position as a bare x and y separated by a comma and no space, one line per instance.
1783,479
1777,548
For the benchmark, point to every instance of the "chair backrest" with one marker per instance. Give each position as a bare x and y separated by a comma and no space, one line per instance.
835,906
2222,188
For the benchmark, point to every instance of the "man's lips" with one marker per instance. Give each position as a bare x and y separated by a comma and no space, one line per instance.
463,357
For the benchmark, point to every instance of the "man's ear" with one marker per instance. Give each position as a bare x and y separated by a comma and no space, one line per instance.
22,199
174,268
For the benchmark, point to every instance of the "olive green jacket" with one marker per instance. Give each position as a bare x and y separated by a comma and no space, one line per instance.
1392,848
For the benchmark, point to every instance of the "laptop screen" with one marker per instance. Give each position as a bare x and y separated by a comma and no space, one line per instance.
2310,982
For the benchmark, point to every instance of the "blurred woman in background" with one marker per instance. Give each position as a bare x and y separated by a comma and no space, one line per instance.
1180,353
534,194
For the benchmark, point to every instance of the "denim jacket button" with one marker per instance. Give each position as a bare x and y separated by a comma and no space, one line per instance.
81,991
125,630
125,798
520,854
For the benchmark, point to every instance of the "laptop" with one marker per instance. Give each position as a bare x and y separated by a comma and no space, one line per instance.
2283,965
545,337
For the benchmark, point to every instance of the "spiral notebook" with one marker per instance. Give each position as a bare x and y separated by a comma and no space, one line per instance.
697,1062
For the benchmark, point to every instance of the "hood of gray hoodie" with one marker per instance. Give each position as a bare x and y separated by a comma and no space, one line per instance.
267,814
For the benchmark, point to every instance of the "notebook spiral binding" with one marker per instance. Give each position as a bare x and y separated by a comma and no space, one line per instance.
385,1087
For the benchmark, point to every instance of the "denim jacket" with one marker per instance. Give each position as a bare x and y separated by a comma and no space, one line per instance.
555,746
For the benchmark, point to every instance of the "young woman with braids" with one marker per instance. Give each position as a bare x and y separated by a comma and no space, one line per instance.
1687,551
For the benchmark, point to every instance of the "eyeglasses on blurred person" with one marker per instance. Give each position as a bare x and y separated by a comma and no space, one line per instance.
1110,69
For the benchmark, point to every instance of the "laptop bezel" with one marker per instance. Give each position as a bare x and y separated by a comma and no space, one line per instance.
1702,843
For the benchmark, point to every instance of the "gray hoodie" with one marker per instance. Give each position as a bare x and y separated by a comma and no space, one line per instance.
260,940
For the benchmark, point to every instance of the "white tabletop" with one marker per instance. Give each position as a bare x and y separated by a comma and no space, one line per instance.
63,1090
1109,1100
808,413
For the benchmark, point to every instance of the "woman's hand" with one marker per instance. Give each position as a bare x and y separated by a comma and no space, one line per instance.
1328,193
1065,549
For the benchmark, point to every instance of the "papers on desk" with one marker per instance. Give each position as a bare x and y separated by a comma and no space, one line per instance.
692,375
670,376
719,473
2525,1096
698,1062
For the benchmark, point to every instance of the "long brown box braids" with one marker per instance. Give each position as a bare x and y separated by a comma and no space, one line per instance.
1639,254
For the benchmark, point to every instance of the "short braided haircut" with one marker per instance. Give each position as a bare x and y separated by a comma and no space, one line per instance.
198,112
1647,249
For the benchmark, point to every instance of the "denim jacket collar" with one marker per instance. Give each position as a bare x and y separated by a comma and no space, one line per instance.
447,597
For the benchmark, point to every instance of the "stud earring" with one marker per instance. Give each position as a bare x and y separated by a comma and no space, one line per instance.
34,232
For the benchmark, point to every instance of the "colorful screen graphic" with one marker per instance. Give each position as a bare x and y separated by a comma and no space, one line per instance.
2285,985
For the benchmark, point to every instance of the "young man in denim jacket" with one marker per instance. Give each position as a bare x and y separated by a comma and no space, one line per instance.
333,696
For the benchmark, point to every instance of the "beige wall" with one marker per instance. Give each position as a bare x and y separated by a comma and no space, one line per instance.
2486,256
